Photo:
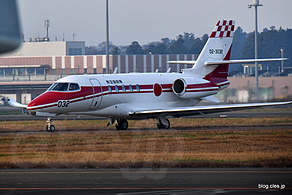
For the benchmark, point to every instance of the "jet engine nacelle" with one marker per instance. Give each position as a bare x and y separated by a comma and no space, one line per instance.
191,88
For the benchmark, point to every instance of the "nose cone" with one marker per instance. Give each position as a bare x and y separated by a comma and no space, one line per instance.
32,104
44,100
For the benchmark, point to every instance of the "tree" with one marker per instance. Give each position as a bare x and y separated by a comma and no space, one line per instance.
239,39
199,44
161,48
168,42
91,50
269,44
189,39
178,46
156,48
134,48
116,51
99,50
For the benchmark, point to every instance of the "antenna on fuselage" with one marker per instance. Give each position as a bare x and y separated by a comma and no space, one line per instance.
116,70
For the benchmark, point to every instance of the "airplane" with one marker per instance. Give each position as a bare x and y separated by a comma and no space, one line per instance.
136,96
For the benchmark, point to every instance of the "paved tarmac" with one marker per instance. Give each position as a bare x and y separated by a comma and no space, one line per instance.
147,181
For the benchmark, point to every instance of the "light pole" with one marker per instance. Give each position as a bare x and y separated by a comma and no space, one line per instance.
256,4
107,39
74,35
282,61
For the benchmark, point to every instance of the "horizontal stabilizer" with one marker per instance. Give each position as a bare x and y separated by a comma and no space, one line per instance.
243,61
182,62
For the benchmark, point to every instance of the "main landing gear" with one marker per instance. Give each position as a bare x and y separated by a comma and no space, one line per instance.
121,124
50,127
163,123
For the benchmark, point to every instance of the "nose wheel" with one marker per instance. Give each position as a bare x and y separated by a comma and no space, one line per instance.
50,127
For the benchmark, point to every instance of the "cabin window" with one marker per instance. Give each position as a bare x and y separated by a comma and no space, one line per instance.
117,88
123,88
137,87
130,88
109,89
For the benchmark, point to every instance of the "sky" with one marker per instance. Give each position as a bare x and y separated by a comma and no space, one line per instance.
144,21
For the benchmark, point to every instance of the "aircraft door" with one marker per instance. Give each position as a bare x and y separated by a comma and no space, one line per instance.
97,94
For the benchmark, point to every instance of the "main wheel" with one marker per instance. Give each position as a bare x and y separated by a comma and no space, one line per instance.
160,125
122,124
50,128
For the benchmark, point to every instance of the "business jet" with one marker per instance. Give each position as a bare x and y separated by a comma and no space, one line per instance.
135,96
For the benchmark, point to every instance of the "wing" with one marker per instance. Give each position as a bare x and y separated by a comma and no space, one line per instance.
15,104
199,110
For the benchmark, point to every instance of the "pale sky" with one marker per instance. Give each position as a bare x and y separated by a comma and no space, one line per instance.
144,21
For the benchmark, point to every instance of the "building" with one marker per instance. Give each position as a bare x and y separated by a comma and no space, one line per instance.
41,49
29,70
68,57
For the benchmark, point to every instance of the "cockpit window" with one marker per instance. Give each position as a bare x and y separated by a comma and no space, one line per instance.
73,87
64,87
61,87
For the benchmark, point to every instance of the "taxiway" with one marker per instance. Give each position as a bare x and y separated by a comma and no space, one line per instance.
147,181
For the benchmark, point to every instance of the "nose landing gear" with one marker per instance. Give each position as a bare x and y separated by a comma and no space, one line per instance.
50,127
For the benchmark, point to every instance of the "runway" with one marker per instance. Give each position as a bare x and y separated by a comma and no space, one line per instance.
147,181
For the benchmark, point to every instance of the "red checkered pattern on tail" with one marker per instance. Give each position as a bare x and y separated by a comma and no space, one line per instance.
223,28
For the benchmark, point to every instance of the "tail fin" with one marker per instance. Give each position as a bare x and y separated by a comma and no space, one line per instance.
214,59
217,48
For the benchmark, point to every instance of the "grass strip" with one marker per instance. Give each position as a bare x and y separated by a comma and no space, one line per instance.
112,149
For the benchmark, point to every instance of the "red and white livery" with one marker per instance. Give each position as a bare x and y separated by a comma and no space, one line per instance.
121,97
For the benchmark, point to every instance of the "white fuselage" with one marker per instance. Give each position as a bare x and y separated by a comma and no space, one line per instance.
115,95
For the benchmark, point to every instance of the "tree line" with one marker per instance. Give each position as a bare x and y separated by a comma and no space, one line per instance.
183,44
270,41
